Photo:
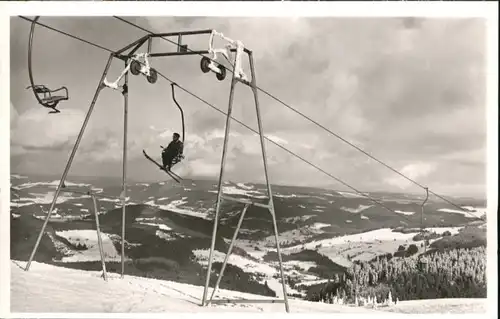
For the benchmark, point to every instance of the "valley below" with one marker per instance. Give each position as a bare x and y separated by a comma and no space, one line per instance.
339,249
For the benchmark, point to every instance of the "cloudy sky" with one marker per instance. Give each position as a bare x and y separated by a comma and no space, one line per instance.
409,91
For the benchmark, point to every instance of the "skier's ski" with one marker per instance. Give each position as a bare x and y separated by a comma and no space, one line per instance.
174,176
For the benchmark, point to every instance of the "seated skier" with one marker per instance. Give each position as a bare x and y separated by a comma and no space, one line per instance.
172,152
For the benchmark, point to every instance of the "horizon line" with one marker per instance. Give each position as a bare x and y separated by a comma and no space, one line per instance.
215,180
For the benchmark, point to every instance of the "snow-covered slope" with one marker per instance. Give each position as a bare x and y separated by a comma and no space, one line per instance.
47,288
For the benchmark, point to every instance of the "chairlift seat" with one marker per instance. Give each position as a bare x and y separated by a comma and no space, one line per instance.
177,159
41,89
47,98
54,99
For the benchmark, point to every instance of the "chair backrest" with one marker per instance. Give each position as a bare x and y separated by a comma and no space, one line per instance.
41,89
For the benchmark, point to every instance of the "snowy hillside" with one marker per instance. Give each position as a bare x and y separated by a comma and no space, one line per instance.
192,197
46,288
168,229
42,289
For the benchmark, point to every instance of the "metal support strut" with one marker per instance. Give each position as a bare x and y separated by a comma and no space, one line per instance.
422,215
123,195
136,67
229,252
95,206
220,196
99,239
131,59
70,161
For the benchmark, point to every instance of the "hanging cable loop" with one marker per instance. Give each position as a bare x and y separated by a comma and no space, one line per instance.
43,94
173,84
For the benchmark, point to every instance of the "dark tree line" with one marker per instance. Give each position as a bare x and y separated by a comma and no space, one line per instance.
459,273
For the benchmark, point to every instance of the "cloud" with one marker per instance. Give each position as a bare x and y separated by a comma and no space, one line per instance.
35,129
203,153
409,91
413,171
13,115
200,168
474,157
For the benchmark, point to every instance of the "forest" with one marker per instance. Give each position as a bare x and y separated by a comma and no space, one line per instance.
457,273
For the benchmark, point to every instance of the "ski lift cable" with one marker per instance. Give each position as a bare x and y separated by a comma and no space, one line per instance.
219,110
275,143
69,35
209,104
314,122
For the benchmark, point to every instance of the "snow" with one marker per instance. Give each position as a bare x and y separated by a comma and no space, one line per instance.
54,215
317,197
319,225
18,204
285,196
248,187
296,196
348,194
47,198
52,184
477,209
88,238
441,230
114,200
249,246
163,231
248,231
47,288
455,305
165,236
231,190
160,226
235,260
383,234
363,246
173,206
295,219
359,209
16,176
296,235
404,213
313,282
249,266
472,212
303,265
137,219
